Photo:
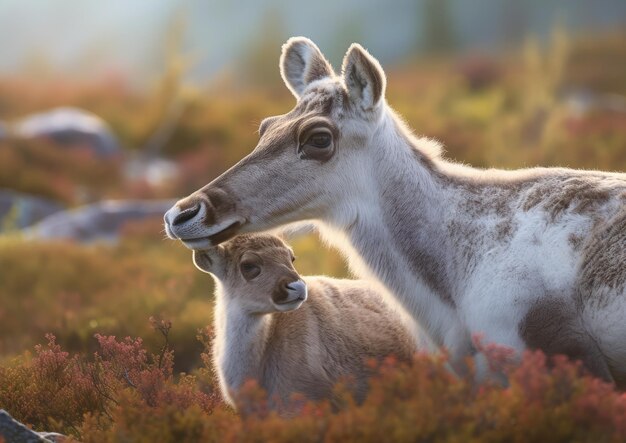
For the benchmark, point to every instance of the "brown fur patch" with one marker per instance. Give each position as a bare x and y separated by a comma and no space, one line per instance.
504,230
187,203
218,202
535,197
495,199
421,157
604,257
575,241
579,194
465,237
552,326
428,264
317,101
432,271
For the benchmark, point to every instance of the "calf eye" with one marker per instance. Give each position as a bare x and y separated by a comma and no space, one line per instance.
249,270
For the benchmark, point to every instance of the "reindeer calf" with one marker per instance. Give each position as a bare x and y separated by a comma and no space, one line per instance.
294,334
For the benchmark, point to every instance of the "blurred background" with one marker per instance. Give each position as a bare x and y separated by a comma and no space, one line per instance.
111,110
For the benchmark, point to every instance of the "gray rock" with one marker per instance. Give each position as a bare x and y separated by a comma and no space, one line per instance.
154,171
580,102
18,211
98,221
70,127
54,437
15,432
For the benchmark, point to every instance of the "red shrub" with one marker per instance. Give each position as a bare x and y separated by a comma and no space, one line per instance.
54,391
127,394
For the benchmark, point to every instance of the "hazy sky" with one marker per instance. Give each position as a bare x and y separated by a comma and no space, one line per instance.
86,37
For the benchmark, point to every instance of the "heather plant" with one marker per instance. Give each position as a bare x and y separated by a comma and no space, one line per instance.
126,393
55,391
49,389
425,402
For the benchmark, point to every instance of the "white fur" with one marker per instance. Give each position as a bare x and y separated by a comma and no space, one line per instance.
390,203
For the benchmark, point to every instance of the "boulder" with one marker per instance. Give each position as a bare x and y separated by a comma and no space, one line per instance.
18,211
15,432
70,127
98,221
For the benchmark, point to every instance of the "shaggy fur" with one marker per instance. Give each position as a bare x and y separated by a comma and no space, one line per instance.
300,347
530,258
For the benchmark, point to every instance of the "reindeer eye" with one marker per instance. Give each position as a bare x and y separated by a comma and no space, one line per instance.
321,140
317,144
293,258
249,270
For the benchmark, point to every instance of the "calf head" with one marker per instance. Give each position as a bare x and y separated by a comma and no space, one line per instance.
255,271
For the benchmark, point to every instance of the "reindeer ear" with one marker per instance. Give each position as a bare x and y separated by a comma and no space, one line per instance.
209,260
364,77
301,63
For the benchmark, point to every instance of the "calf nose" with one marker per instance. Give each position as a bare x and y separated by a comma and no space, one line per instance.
296,289
288,294
294,285
186,215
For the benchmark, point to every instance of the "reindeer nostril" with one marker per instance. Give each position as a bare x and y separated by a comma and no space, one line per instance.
187,214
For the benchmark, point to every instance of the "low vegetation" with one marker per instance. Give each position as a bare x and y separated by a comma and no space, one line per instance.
125,393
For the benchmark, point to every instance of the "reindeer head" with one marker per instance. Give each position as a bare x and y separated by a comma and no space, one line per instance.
314,162
257,271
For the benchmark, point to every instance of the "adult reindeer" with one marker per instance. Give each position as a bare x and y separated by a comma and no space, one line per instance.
532,258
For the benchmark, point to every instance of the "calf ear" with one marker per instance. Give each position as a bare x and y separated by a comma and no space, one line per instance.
301,63
364,78
210,260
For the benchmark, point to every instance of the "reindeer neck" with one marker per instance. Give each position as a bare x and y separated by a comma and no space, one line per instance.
240,341
397,235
